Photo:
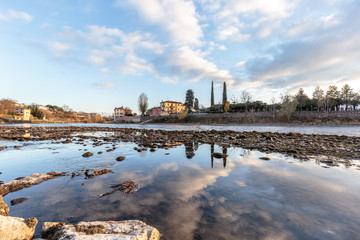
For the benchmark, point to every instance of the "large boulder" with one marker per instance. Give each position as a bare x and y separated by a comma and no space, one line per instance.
17,228
100,230
4,209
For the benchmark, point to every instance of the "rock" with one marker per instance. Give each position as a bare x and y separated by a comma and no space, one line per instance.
264,158
18,201
100,152
4,209
96,173
1,182
33,179
87,154
121,158
127,187
124,230
17,228
219,155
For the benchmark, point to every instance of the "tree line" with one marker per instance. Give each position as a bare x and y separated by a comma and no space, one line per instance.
321,100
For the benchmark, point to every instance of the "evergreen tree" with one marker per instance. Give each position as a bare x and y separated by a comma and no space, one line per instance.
224,94
189,99
212,93
196,104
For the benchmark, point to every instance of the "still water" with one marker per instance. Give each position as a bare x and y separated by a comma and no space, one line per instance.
189,197
304,129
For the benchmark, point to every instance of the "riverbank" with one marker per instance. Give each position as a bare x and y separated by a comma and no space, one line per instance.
346,118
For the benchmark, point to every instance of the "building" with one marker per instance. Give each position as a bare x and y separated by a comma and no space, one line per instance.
25,113
121,112
349,107
155,111
172,107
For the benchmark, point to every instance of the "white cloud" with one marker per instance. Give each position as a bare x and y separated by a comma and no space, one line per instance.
15,15
241,64
222,48
177,17
172,80
237,20
135,65
231,32
97,60
105,70
59,49
191,64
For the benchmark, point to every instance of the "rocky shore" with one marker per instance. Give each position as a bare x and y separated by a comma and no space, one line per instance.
331,150
301,146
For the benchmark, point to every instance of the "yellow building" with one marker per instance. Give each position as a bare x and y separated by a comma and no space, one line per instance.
26,114
172,107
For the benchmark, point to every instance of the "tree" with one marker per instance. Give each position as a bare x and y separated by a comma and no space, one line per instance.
67,108
212,93
347,94
318,96
245,98
189,98
332,96
143,103
7,106
224,94
355,100
288,105
196,104
302,100
36,112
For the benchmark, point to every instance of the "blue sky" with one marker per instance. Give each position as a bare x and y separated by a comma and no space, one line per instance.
94,55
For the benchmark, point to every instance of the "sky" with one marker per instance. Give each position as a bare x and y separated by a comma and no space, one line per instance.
95,55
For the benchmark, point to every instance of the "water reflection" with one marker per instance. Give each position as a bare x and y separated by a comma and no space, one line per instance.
224,153
239,197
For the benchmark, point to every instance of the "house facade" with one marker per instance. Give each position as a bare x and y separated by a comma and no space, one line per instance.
155,111
121,112
172,107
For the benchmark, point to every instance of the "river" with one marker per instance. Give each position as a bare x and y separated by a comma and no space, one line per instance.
304,129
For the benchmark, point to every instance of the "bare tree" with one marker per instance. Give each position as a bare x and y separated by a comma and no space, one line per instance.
318,96
245,98
234,99
143,103
288,105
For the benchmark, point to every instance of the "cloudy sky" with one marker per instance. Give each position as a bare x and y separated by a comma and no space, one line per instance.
94,55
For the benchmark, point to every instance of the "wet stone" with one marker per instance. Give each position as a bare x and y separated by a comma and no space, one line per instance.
18,201
120,158
219,155
87,154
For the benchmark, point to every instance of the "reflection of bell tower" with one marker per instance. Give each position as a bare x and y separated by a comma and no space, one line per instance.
212,158
224,151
